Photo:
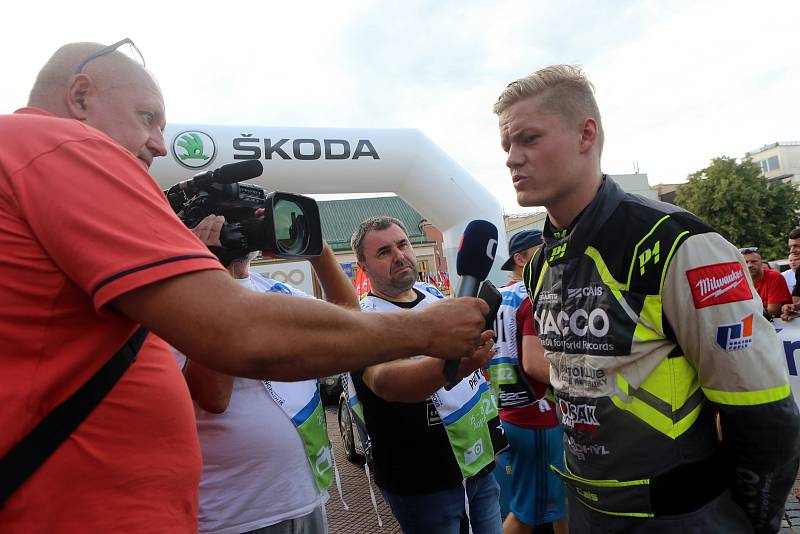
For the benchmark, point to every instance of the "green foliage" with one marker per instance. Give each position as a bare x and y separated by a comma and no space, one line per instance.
742,205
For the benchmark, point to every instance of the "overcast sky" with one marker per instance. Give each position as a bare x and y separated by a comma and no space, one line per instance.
678,82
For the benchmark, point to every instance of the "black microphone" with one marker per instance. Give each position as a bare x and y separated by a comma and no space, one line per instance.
227,174
473,263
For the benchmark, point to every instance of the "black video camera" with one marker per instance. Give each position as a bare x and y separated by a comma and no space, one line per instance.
289,228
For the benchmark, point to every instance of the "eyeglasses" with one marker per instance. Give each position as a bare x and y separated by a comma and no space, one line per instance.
131,52
748,250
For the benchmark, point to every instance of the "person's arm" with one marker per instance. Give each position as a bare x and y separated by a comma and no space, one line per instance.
746,381
416,379
532,360
212,319
534,363
335,284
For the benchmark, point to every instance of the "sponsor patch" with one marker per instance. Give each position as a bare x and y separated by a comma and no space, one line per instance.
718,284
578,416
736,336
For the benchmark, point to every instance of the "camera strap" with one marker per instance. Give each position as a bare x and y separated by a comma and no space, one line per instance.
36,447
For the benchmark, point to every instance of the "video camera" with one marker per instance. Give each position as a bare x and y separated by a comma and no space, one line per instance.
289,228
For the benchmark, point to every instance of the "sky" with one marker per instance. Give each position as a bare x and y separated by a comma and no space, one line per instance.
677,82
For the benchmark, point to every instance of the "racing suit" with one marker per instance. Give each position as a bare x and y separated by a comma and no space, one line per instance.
652,327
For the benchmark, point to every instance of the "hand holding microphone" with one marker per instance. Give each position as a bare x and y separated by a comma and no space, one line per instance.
473,263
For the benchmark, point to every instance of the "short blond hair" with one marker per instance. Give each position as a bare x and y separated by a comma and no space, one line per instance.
565,90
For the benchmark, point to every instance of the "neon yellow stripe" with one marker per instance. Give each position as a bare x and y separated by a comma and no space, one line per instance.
605,275
541,279
669,257
636,248
629,514
748,398
601,483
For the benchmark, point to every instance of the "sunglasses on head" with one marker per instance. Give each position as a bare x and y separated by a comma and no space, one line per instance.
134,54
748,250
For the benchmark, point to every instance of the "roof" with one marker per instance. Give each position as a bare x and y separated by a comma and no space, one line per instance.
340,217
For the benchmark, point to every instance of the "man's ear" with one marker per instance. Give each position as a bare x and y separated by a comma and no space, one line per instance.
588,134
362,267
79,89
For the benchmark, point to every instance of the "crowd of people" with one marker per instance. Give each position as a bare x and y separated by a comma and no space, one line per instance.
631,371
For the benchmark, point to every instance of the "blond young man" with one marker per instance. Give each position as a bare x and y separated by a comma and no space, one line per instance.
650,325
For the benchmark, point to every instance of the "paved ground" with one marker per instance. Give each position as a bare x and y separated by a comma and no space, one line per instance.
360,518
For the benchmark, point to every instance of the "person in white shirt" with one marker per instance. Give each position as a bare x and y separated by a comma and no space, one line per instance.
788,275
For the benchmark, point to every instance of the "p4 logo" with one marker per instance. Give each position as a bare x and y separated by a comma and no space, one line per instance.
736,336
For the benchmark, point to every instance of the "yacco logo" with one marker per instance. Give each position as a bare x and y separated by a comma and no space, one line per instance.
578,416
718,284
590,291
595,322
194,149
736,336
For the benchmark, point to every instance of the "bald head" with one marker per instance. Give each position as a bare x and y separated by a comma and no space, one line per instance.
112,93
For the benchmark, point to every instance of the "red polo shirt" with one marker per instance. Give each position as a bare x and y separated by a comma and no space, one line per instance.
82,223
772,288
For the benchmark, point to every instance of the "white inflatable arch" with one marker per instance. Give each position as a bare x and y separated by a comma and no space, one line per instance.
343,160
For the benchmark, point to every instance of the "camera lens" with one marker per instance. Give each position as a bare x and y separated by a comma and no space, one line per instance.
290,227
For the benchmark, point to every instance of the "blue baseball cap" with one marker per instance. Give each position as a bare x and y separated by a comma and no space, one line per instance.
520,242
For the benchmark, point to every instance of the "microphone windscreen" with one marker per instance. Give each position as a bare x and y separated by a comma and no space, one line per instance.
477,249
239,171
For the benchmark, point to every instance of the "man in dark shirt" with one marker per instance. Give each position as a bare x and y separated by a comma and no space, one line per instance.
425,462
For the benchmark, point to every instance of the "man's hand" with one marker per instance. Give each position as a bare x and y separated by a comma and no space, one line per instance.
480,357
208,230
455,327
788,312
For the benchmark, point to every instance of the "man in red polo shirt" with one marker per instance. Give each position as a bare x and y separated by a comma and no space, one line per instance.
769,284
91,250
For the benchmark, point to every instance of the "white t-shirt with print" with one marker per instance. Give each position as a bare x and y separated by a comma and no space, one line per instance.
255,472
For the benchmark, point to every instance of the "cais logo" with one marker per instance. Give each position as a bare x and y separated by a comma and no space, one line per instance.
590,291
194,149
736,336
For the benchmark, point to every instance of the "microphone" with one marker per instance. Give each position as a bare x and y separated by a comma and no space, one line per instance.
473,263
227,174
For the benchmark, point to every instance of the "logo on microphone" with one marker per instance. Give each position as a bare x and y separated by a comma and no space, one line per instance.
491,249
194,149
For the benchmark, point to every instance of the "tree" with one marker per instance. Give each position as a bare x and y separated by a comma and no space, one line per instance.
742,205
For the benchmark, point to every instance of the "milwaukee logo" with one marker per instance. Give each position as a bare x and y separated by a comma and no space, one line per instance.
718,284
714,287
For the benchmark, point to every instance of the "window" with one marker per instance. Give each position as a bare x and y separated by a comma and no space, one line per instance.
773,163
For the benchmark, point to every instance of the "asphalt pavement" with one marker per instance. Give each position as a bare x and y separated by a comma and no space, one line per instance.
360,518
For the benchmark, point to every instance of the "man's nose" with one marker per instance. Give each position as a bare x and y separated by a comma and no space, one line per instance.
515,158
156,144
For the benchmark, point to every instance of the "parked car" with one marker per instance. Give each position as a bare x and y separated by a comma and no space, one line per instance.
351,442
330,388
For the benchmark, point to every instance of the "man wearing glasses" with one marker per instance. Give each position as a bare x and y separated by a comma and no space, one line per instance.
769,284
92,250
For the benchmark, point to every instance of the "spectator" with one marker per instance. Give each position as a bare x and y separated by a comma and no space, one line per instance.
770,285
429,445
91,251
529,419
267,462
789,274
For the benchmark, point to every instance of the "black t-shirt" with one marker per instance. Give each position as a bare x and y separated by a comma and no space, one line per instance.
410,449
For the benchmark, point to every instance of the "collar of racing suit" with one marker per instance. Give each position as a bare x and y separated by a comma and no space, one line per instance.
583,229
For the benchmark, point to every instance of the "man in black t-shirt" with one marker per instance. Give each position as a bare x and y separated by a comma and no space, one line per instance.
414,461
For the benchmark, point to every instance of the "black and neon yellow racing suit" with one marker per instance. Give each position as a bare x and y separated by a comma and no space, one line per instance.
652,327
